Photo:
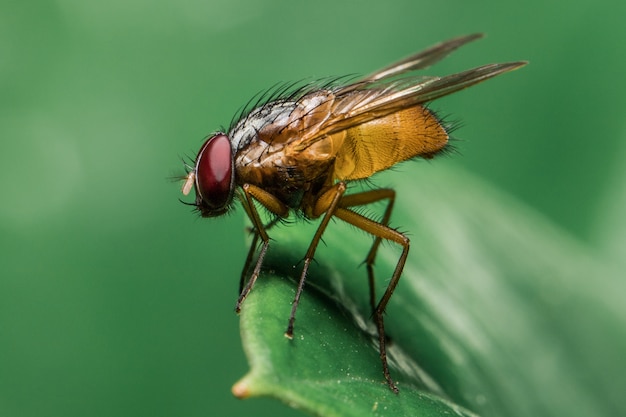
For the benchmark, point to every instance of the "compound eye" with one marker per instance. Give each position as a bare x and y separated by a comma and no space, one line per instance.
214,172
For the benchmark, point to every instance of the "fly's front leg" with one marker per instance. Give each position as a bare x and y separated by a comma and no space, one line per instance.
327,203
246,265
252,250
368,197
274,205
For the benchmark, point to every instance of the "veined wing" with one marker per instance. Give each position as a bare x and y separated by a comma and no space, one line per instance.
368,101
420,60
378,121
335,120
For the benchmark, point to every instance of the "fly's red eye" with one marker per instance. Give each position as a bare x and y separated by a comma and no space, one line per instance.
214,169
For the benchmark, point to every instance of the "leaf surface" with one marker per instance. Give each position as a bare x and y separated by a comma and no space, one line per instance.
497,312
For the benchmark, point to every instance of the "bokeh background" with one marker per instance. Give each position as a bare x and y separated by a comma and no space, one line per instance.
114,298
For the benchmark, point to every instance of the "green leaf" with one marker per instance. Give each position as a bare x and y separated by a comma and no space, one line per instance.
497,312
330,367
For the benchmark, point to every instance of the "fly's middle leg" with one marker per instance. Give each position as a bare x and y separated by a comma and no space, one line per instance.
326,204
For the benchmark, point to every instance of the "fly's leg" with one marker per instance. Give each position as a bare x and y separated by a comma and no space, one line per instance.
275,206
327,203
252,250
381,231
246,265
368,197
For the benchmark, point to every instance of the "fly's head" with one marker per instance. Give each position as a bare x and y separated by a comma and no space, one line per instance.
213,176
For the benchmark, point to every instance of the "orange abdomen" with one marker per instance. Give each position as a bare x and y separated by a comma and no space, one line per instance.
381,143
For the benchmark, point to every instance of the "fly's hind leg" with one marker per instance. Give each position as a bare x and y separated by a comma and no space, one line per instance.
368,197
380,231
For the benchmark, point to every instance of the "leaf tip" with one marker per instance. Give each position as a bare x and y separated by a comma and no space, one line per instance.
241,389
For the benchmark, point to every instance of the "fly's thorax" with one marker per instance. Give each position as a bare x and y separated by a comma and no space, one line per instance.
258,147
288,179
270,116
275,151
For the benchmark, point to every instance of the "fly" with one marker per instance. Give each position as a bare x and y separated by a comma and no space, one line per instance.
299,151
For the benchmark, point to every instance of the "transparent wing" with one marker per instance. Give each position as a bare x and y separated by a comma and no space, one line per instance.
320,113
379,98
420,60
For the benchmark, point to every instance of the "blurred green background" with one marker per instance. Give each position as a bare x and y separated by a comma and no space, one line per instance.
114,298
